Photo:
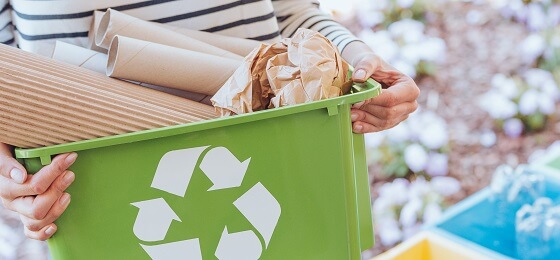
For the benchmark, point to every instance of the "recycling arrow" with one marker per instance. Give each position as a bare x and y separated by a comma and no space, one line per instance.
153,219
243,245
175,170
186,249
173,175
261,209
223,168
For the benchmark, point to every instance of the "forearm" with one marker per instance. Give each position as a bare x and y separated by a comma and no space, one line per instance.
354,51
294,14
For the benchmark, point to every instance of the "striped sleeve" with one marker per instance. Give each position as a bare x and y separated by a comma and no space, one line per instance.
294,14
6,30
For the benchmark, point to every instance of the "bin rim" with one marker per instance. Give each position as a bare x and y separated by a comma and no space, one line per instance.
366,90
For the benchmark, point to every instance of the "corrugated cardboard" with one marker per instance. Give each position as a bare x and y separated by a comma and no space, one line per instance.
44,102
116,23
167,66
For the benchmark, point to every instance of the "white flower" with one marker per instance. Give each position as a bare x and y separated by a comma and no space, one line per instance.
537,77
396,192
408,232
410,212
415,157
369,19
373,140
529,102
505,85
412,53
445,186
434,135
432,49
498,105
381,42
536,19
383,207
532,47
551,89
513,127
488,138
437,164
409,30
473,17
399,133
419,188
432,213
546,104
389,231
405,3
405,67
554,15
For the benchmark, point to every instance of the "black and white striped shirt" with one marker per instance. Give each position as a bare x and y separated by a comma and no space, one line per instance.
35,25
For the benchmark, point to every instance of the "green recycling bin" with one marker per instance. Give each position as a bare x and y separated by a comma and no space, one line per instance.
286,183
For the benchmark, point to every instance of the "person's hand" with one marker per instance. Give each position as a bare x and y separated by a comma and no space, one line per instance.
392,106
39,198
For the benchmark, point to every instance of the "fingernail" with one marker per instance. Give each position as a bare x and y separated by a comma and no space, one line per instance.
71,158
68,178
50,230
17,175
354,116
358,128
360,74
65,199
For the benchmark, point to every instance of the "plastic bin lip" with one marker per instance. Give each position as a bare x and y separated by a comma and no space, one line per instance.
369,89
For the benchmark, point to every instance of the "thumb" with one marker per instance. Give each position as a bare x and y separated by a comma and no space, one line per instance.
9,167
364,69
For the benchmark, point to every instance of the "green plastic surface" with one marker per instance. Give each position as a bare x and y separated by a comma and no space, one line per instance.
305,155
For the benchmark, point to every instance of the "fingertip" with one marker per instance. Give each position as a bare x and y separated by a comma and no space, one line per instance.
50,230
360,75
71,158
358,128
18,175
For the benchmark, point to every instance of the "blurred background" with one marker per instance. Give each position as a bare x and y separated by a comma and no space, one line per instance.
489,74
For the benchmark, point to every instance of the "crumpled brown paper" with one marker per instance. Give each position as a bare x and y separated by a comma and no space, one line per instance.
296,70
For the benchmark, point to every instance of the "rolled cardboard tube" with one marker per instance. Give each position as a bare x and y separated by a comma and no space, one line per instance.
168,66
97,62
116,23
96,19
44,102
235,45
81,57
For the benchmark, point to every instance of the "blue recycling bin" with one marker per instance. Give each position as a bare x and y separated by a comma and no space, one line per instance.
473,221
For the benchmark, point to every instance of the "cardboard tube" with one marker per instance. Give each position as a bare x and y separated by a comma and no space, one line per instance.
80,57
44,102
116,23
97,62
235,45
96,19
167,66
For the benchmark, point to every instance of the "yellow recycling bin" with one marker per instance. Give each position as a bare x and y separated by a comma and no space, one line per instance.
430,246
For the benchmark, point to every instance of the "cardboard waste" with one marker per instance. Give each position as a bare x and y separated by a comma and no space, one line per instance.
45,102
305,68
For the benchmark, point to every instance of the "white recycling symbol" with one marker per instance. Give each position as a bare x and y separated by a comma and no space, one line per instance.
173,175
